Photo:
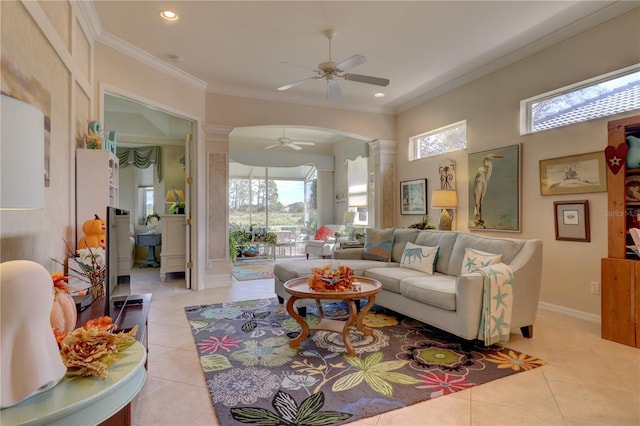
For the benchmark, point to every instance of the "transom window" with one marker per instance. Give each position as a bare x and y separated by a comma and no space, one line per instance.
439,141
602,96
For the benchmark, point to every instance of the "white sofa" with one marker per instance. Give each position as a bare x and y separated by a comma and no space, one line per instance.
323,248
447,299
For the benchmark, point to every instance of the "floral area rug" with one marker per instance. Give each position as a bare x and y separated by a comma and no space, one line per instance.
253,271
254,377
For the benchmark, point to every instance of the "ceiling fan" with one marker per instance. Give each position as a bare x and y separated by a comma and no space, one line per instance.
331,71
288,142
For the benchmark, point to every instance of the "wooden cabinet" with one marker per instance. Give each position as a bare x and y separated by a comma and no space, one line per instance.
96,184
173,254
621,301
620,272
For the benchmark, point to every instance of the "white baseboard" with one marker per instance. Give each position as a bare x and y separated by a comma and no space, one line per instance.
586,316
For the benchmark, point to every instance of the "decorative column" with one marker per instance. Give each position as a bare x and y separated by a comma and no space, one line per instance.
382,184
216,271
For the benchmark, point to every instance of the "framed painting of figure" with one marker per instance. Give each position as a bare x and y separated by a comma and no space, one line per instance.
494,189
413,197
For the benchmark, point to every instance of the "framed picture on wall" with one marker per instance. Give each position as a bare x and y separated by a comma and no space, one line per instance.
494,189
575,174
572,220
413,197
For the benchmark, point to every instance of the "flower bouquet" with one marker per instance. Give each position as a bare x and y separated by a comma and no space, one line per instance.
328,279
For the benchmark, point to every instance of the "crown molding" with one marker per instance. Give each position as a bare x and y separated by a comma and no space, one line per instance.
143,56
90,16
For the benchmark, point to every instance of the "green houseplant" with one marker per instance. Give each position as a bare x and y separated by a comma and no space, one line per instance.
423,224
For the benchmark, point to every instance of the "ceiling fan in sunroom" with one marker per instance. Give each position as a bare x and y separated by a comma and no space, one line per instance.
289,143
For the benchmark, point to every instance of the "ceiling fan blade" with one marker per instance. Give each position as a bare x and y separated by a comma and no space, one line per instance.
366,79
304,143
294,146
296,83
334,93
351,62
272,146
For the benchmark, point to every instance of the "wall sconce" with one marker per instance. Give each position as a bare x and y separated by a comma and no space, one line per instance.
444,199
21,156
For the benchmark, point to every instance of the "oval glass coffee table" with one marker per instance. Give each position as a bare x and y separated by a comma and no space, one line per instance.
363,287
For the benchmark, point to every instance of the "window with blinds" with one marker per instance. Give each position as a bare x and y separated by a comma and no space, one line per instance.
357,190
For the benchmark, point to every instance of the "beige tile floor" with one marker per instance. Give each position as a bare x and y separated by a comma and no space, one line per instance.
587,381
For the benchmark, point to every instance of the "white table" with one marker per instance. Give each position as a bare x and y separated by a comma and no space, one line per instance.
85,400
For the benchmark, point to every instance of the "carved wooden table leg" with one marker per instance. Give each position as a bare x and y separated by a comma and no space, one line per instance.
304,332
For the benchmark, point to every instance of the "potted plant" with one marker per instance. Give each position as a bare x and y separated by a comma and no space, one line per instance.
177,208
233,247
359,236
423,224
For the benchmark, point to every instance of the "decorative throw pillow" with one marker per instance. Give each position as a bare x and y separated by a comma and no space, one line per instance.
420,258
476,259
378,244
322,233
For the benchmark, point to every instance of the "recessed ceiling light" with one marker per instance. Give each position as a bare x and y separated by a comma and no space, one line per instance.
379,95
169,15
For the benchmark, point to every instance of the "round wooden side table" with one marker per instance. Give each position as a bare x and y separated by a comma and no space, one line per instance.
363,287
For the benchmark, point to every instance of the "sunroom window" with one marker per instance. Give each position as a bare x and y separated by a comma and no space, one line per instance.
602,96
439,141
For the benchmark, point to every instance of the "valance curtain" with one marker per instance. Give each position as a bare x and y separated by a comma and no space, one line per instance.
141,158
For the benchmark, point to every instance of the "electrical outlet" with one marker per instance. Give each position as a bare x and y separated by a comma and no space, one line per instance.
595,287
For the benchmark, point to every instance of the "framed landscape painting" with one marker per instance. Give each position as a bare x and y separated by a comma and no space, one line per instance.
494,189
413,197
575,174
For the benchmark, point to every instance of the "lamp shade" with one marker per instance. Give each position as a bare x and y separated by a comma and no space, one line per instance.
444,199
174,196
349,218
21,155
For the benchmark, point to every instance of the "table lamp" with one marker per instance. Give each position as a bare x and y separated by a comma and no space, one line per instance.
444,199
173,197
30,362
348,219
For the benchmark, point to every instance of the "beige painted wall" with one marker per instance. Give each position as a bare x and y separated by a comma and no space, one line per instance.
491,107
26,52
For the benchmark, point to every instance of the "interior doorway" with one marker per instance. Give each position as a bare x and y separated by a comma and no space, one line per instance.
153,147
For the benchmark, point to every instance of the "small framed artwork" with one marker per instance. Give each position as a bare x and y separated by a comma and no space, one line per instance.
575,174
572,220
413,197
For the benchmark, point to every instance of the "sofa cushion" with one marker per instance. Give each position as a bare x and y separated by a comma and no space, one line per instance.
435,290
400,238
476,259
507,247
378,244
322,233
390,278
446,241
420,258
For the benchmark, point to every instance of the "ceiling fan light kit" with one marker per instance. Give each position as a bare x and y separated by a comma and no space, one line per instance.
331,71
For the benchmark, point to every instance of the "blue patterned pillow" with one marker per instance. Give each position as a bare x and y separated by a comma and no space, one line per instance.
378,244
420,258
476,259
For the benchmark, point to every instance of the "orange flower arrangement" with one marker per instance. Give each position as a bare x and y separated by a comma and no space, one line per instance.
327,279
